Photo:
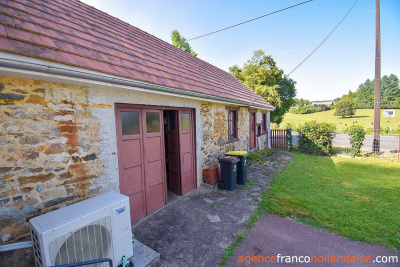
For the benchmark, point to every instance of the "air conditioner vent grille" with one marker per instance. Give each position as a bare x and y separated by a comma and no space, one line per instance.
36,249
93,241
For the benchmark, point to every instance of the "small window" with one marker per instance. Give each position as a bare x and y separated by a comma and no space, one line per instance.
264,123
185,121
153,122
232,124
130,123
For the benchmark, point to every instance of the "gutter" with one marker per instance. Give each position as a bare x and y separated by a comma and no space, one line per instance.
25,67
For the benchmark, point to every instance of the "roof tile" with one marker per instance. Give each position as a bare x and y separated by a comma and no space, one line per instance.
13,46
63,57
25,25
3,31
39,51
6,20
14,33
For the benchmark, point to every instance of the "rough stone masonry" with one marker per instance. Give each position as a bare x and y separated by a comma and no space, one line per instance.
51,136
49,151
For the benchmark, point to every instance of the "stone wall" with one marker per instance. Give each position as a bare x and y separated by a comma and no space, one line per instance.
215,132
58,144
49,151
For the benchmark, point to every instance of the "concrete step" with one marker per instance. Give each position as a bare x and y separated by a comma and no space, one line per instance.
143,256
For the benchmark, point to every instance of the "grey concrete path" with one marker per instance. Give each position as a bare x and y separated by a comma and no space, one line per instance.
273,235
195,229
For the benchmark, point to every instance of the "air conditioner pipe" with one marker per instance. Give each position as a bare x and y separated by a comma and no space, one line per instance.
14,246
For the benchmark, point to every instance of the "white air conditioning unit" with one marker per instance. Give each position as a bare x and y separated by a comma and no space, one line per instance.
96,228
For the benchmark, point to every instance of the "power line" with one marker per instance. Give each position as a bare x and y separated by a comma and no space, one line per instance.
247,21
326,38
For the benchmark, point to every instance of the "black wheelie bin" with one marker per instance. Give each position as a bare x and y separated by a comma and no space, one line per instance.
242,165
228,172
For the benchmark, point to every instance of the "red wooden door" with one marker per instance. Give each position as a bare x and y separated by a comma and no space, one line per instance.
252,130
174,174
187,150
130,157
141,159
154,174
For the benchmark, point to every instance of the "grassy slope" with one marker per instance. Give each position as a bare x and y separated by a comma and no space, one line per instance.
355,198
363,117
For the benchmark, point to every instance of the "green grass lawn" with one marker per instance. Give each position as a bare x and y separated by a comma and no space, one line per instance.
358,198
363,117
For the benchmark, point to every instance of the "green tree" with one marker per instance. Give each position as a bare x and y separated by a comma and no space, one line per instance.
345,108
302,103
261,74
390,92
180,42
365,95
350,96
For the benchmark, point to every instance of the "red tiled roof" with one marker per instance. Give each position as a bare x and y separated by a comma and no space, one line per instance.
73,33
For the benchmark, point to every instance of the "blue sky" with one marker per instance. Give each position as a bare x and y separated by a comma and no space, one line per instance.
341,64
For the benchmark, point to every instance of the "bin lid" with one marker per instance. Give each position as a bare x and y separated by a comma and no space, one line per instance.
229,159
236,153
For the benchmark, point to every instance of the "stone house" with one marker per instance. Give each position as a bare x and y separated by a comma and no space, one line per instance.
89,103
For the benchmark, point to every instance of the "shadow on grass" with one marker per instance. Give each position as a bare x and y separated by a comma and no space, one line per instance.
353,117
353,197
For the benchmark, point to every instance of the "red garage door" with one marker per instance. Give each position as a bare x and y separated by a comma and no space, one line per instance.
141,158
142,149
187,154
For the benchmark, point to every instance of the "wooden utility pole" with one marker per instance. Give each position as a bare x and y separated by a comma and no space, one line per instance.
377,96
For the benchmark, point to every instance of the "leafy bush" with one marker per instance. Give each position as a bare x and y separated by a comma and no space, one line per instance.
345,108
316,138
357,136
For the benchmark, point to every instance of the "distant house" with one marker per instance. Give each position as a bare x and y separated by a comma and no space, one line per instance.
90,104
323,102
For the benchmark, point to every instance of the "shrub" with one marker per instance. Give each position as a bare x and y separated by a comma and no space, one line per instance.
345,108
357,136
316,138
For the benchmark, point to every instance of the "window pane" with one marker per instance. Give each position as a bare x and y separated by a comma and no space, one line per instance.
185,121
130,123
264,123
232,124
153,122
